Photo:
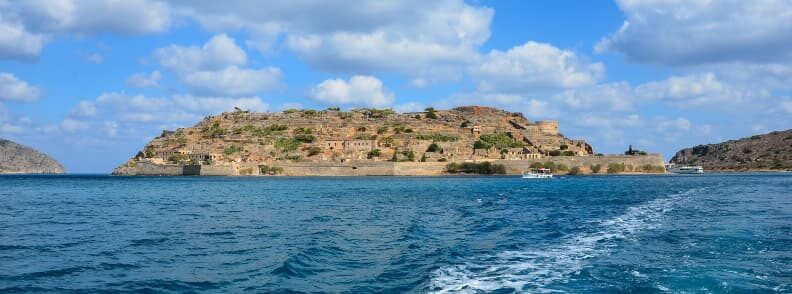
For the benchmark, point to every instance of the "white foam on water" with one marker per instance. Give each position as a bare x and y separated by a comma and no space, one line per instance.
539,268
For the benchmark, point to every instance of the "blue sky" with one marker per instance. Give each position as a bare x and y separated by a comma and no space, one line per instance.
91,81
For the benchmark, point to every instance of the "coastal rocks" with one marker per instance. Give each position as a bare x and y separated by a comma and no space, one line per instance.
19,159
772,151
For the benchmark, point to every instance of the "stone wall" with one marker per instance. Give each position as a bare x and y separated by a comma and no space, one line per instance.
387,168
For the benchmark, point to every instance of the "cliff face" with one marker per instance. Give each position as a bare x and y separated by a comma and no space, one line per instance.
19,159
760,152
249,140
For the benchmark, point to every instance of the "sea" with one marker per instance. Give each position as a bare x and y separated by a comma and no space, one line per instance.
711,233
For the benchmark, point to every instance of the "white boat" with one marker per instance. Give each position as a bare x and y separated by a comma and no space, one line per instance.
542,173
684,169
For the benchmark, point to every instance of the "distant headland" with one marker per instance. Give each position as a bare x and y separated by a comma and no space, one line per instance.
371,141
20,159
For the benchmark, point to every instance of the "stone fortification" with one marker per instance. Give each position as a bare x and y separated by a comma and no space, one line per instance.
356,142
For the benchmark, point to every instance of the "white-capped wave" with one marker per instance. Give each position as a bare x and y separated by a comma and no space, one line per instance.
534,270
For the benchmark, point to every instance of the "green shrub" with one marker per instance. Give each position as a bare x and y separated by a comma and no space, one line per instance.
563,147
334,108
433,148
595,168
381,130
437,137
616,168
301,130
270,170
305,138
555,153
500,141
568,153
314,151
485,168
177,158
290,111
374,153
366,137
562,167
232,149
481,145
536,165
431,113
287,144
575,170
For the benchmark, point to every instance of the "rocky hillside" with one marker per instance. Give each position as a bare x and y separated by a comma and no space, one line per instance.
19,159
771,151
254,139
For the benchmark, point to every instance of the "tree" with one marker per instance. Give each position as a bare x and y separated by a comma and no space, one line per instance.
433,148
431,113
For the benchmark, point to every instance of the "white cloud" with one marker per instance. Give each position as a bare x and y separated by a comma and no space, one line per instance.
84,109
17,43
95,58
111,128
426,39
359,91
218,53
409,107
702,31
698,90
144,80
179,109
14,89
613,96
233,81
26,25
534,66
73,125
214,69
787,106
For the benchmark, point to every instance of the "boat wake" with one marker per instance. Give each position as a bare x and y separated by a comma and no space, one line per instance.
535,270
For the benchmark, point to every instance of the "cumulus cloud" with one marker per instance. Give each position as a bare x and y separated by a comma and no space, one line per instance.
233,81
14,89
219,52
214,69
95,58
358,91
172,109
534,66
84,109
425,39
698,90
696,32
612,96
26,25
144,80
17,43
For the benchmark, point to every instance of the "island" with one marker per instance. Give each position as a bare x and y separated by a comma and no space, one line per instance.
766,152
368,141
20,159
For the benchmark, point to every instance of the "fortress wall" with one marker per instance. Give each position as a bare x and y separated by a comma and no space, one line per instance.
218,170
419,168
379,168
386,168
584,162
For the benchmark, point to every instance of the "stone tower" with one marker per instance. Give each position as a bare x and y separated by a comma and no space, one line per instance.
549,127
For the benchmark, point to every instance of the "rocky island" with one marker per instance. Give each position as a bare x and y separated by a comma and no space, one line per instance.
368,141
20,159
771,151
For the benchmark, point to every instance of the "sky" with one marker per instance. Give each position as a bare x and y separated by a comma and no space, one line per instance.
90,82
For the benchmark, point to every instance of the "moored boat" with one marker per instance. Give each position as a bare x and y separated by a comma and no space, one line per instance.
542,173
684,169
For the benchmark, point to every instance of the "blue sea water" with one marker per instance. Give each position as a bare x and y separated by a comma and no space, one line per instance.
642,234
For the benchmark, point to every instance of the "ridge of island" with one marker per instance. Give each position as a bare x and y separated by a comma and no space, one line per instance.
360,142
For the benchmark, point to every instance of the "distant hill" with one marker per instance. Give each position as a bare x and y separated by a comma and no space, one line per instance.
772,151
19,159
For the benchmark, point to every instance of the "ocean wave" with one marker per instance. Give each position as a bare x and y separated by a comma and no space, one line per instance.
534,270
